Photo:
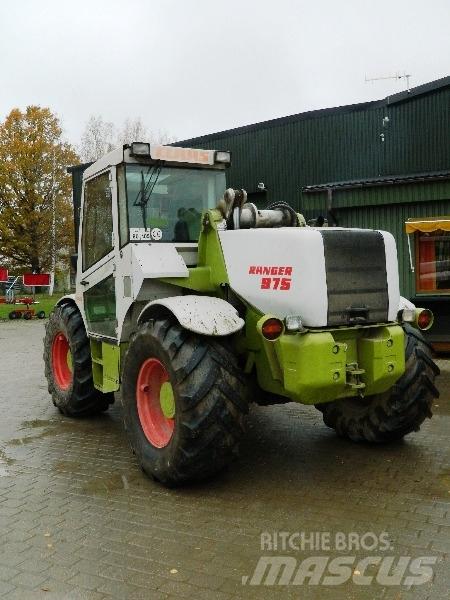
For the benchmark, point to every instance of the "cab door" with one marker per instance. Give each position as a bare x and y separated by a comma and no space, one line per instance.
97,282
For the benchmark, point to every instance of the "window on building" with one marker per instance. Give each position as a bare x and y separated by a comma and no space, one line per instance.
433,261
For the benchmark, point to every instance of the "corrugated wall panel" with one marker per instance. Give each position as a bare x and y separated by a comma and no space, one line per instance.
417,134
340,146
304,152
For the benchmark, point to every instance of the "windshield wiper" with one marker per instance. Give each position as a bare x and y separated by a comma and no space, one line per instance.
147,189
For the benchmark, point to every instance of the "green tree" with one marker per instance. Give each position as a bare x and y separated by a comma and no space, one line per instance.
36,218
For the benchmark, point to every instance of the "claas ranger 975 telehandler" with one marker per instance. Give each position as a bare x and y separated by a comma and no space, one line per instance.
191,302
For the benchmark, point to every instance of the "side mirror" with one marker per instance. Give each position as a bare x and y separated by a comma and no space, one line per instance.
74,261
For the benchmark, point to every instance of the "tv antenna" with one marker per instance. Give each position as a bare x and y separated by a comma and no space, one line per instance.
397,76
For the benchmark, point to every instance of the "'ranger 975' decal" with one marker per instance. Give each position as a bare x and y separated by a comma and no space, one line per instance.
272,278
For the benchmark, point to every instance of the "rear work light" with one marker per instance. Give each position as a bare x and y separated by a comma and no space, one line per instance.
272,328
294,323
140,149
223,157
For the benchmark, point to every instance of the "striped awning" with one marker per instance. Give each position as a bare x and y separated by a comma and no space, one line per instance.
428,225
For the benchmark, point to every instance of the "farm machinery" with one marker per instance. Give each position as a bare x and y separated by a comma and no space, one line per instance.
25,303
192,303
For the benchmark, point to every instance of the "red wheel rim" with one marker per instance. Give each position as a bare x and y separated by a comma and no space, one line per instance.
61,361
157,427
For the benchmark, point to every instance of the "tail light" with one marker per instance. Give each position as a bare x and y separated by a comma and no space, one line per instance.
424,319
272,328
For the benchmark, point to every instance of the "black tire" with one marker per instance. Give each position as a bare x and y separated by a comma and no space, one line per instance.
210,402
12,315
41,314
27,316
390,416
80,399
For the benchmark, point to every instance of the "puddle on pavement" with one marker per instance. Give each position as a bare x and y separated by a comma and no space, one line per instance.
445,481
52,427
68,466
100,485
441,407
30,438
5,462
34,423
105,485
5,459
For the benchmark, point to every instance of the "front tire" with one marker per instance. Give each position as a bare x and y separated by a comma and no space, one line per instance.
184,401
390,416
68,365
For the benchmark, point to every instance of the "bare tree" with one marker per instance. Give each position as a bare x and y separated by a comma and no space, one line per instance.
161,137
133,130
97,138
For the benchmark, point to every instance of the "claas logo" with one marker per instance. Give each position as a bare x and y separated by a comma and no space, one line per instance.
188,155
273,277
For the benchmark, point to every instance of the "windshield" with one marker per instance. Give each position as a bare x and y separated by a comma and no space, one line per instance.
165,204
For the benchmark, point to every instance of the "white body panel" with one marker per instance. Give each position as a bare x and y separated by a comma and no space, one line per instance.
155,260
392,274
140,262
298,249
405,303
203,314
302,251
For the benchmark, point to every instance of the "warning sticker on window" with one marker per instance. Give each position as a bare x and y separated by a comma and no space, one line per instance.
139,234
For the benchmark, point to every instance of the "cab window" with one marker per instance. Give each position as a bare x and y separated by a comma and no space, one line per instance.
97,220
165,204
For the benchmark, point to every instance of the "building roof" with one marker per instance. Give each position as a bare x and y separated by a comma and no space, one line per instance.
374,181
426,88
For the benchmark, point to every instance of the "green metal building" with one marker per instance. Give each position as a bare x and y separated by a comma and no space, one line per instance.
370,165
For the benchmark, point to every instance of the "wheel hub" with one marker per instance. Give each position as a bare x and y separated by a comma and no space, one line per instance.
62,361
155,402
167,400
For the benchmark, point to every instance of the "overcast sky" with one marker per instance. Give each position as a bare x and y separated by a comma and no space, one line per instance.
198,66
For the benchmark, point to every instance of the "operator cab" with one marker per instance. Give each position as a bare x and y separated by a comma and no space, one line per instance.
141,208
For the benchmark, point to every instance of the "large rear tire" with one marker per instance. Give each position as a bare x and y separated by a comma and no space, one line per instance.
68,365
392,415
184,400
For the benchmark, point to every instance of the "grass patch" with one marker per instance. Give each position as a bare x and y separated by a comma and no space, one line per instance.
46,303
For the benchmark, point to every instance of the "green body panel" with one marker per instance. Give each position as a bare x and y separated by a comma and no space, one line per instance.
210,272
105,366
321,366
382,356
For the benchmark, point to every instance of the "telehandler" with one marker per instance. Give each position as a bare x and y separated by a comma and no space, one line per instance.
191,302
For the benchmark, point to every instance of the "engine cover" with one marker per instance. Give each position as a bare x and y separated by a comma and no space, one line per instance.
328,276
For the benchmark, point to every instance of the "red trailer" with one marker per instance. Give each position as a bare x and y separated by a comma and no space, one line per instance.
31,280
